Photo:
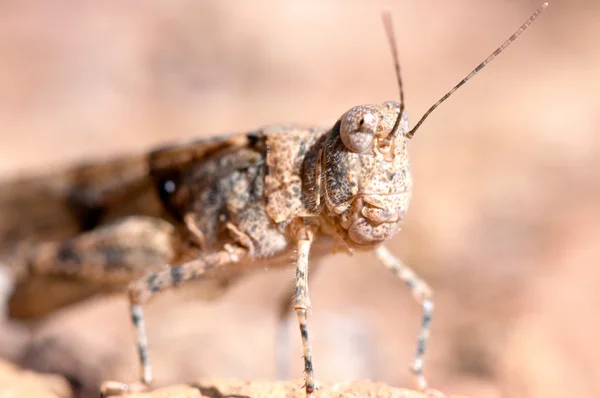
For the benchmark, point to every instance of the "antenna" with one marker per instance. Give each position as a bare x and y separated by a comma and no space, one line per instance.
514,36
389,30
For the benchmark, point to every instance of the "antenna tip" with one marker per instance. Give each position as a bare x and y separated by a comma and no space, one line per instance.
545,5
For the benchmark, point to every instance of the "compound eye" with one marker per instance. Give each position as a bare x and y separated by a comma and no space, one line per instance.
358,128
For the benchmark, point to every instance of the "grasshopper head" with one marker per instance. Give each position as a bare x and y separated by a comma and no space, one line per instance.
367,181
366,178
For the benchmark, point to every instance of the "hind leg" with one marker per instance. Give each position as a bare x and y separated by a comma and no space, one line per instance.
118,253
50,275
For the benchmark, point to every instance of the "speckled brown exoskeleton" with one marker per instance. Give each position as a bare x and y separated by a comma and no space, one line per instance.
220,206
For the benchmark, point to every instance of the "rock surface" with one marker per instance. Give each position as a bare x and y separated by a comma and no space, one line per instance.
16,382
221,388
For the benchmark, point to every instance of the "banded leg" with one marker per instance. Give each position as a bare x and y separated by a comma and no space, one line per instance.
51,275
282,344
143,289
424,296
302,307
117,253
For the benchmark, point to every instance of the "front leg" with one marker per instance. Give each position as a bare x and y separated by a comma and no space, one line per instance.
423,294
302,305
285,308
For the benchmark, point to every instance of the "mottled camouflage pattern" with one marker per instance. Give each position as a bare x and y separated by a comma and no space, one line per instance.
98,227
366,192
217,206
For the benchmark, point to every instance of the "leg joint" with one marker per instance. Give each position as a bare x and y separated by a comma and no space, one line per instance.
301,307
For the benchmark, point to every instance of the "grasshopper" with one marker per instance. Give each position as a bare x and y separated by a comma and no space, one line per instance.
220,207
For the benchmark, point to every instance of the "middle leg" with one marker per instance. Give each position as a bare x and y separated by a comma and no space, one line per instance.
142,290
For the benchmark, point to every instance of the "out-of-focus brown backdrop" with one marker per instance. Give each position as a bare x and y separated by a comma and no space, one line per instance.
505,220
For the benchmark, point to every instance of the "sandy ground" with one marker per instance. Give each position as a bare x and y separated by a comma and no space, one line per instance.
504,224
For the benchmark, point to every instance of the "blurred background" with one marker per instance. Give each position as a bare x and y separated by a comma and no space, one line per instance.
504,223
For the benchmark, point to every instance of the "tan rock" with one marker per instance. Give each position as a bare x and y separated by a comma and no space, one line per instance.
16,382
267,389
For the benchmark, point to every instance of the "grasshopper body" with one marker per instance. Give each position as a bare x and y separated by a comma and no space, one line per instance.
218,207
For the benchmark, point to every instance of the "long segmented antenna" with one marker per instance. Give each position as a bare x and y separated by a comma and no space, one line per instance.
389,30
411,133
